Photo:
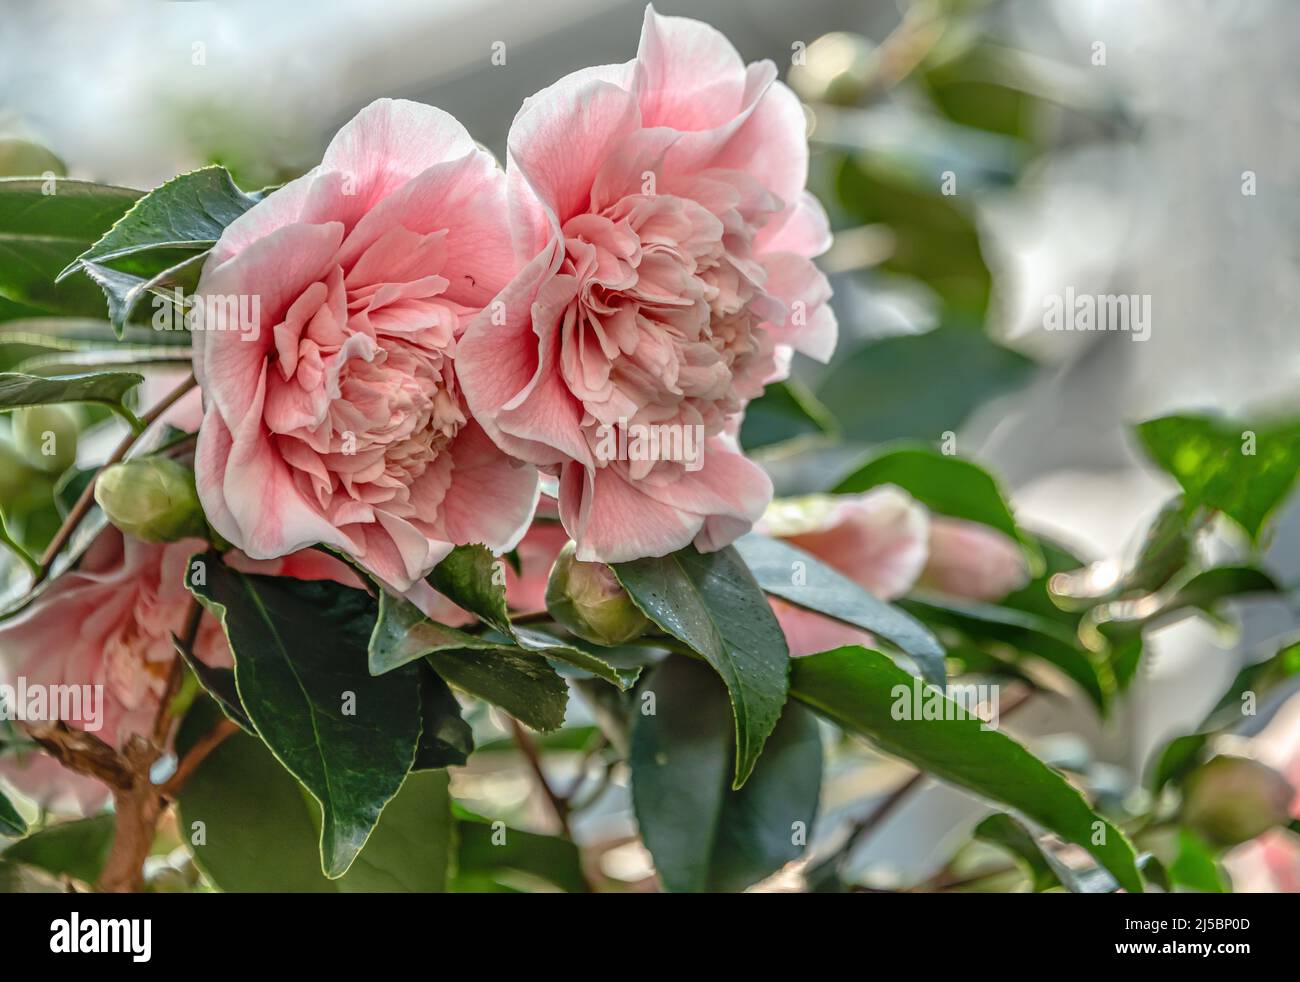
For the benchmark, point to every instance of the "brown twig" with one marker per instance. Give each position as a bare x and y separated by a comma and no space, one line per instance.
196,755
87,497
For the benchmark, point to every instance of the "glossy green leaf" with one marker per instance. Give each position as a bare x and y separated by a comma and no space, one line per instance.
475,579
300,670
521,683
108,388
445,738
188,212
711,603
800,578
259,829
703,834
219,683
1244,470
44,225
403,633
858,689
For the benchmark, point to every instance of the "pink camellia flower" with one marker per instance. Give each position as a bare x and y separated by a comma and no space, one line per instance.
877,539
660,206
109,623
333,410
972,561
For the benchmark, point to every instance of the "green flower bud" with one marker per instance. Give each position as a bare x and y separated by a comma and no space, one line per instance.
588,600
18,158
152,499
1233,799
47,436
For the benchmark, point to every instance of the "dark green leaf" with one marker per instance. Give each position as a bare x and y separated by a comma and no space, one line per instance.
300,670
445,738
494,858
41,232
859,689
704,835
219,683
12,824
109,388
522,684
1208,458
784,411
775,565
259,829
917,386
711,603
189,212
475,579
403,634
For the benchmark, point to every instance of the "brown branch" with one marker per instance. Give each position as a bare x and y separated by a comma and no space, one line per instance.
87,497
196,755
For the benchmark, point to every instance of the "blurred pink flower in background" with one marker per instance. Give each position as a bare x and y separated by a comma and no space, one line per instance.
661,209
109,622
887,542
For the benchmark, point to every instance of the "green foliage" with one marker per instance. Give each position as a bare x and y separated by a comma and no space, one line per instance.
858,690
711,603
1244,470
796,576
300,671
44,225
703,834
253,828
917,386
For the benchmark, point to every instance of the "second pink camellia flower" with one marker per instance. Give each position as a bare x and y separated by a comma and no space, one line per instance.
336,415
660,208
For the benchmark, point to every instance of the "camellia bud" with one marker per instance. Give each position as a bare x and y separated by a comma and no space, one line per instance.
152,499
588,600
1233,799
47,436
